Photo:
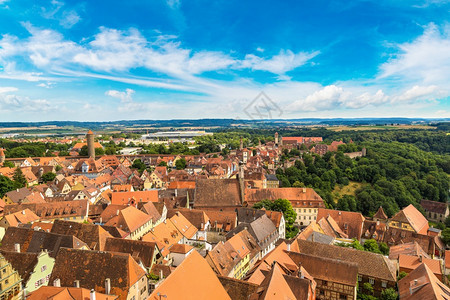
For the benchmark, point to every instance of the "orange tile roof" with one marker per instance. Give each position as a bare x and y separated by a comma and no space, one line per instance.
183,225
192,279
80,145
181,248
422,284
124,198
165,234
129,219
410,262
351,223
277,287
411,248
279,255
66,293
181,185
414,217
23,217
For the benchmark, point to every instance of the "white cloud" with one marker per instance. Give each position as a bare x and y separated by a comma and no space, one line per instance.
420,93
7,89
113,49
336,97
117,50
46,85
126,101
69,19
66,18
125,97
279,64
46,46
15,103
426,59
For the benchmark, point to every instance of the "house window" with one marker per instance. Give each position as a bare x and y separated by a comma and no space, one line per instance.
44,267
359,278
384,284
371,281
342,296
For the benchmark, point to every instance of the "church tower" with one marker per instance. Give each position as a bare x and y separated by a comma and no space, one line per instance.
90,144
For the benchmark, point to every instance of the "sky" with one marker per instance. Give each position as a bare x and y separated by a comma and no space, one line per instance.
178,59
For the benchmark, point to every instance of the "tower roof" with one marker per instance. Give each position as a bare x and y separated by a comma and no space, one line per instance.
90,132
380,214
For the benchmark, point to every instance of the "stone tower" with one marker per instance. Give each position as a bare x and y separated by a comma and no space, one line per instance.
241,145
276,138
90,144
2,156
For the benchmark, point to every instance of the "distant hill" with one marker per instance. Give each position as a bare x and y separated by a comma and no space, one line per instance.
227,122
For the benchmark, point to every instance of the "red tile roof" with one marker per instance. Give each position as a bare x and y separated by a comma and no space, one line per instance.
351,223
409,263
422,284
125,198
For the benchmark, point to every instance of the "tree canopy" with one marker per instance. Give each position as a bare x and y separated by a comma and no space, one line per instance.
284,206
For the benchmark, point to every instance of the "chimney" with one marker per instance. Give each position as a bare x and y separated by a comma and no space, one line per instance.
17,247
378,223
420,258
300,273
57,282
107,286
415,281
176,192
288,247
23,212
304,190
117,212
92,295
101,220
76,283
17,190
161,275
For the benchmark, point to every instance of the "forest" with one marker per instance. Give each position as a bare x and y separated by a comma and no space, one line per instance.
393,175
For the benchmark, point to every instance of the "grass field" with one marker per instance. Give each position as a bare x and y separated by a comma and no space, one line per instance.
346,190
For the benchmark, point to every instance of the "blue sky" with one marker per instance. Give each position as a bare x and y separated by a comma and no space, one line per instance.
172,59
